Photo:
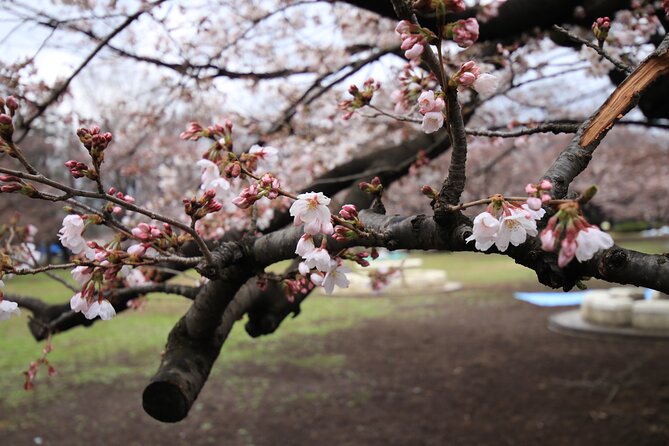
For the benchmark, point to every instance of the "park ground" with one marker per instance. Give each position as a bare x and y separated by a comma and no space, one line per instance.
473,367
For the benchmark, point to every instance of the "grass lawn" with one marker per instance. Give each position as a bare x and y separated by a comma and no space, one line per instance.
130,344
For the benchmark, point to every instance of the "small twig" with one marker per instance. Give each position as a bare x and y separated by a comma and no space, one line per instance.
619,64
71,192
549,127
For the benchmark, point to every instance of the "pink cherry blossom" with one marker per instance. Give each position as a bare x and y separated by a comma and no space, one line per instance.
547,240
432,122
211,178
305,246
415,51
312,210
426,101
467,74
403,27
466,32
567,251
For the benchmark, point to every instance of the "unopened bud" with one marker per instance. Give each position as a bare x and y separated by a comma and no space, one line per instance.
588,194
429,192
12,103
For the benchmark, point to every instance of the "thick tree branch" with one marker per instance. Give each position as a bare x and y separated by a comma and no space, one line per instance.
454,185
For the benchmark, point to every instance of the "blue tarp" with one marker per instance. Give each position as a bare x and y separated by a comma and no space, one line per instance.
557,299
552,299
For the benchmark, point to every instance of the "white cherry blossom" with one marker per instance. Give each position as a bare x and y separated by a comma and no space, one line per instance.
319,258
591,240
336,275
81,274
486,85
312,210
7,308
514,228
484,231
70,234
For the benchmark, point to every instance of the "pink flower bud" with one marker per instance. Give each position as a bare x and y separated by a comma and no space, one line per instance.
12,103
403,27
546,185
534,203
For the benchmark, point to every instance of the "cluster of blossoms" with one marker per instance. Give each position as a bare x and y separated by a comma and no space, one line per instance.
95,142
220,134
414,39
8,108
360,97
121,196
573,236
11,184
469,75
431,106
463,32
109,263
349,214
567,231
503,223
538,194
267,186
220,165
413,81
311,210
197,208
601,28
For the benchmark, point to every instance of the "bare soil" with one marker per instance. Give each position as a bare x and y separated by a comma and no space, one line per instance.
457,372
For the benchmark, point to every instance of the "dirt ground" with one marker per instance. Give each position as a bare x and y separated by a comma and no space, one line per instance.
456,372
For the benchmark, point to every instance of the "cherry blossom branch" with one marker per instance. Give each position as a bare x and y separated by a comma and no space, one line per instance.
18,153
618,64
72,192
307,97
